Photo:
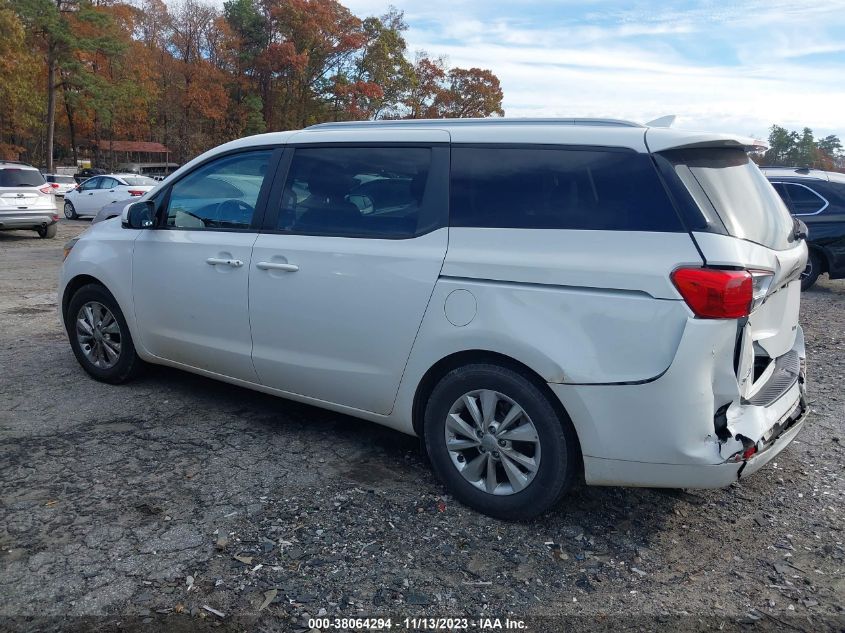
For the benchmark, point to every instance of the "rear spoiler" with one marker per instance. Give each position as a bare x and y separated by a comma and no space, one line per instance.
662,139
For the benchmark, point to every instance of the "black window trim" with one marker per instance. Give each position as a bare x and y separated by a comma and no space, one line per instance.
437,187
162,198
810,189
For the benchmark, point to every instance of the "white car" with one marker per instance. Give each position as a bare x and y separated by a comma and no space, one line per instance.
26,200
93,194
536,300
60,183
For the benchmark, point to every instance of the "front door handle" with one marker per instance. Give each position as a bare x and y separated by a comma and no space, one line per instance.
234,263
291,268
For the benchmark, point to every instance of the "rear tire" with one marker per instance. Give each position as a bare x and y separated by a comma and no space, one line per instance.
812,271
47,232
99,336
533,456
70,211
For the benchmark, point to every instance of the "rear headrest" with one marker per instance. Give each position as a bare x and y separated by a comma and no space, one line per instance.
328,180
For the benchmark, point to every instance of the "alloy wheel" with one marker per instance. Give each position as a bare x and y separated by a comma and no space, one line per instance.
98,334
492,442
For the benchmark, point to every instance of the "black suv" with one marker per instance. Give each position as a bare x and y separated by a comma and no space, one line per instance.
818,199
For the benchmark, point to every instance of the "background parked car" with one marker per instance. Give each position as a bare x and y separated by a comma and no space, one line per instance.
113,209
817,198
89,172
60,183
26,200
159,171
93,194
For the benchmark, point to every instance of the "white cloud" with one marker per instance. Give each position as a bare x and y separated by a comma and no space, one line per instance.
737,66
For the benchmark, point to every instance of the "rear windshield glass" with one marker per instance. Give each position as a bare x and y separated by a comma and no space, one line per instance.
64,179
16,177
140,181
732,184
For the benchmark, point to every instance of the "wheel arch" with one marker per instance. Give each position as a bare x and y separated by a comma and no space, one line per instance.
468,357
75,284
824,258
84,279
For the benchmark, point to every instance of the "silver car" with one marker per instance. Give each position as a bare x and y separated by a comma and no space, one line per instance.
26,200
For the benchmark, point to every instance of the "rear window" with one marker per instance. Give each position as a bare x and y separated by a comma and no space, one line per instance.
140,181
17,177
729,182
551,188
62,179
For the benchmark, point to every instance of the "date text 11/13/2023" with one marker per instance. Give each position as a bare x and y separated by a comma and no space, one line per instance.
417,624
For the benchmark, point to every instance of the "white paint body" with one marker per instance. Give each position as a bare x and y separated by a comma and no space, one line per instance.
358,325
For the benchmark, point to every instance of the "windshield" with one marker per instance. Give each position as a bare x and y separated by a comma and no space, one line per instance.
140,181
731,183
16,177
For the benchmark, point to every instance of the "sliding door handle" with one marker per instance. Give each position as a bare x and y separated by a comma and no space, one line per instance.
234,263
290,268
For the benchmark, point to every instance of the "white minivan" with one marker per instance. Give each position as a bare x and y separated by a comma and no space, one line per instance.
538,300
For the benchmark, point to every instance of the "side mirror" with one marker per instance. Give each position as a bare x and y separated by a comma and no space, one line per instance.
139,215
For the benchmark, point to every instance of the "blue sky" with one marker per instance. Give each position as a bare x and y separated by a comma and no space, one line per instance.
735,66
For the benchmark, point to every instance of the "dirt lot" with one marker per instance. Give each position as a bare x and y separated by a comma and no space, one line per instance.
137,506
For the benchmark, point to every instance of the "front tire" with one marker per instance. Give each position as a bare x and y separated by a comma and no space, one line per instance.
497,442
812,271
99,336
70,211
47,232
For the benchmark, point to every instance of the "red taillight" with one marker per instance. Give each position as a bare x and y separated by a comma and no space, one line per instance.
749,452
46,189
136,192
54,185
715,294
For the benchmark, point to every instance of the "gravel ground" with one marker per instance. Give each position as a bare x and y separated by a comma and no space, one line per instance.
138,506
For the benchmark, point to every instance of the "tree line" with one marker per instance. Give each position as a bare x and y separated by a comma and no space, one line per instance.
790,148
192,75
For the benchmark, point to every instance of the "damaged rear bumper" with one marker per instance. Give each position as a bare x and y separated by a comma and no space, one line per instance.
662,433
613,472
775,440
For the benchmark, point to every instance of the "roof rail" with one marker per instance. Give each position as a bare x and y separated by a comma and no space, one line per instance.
14,162
479,121
800,170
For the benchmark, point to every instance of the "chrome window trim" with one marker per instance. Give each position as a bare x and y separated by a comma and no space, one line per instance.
811,190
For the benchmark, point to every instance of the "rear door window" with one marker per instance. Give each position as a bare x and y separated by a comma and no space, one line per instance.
737,190
368,192
558,188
